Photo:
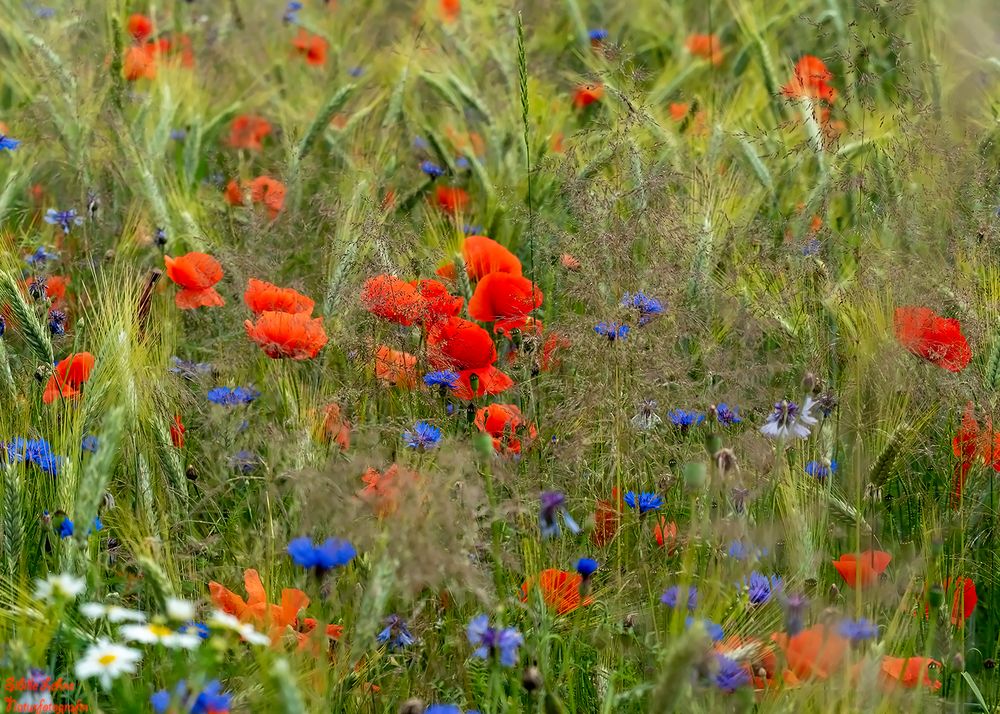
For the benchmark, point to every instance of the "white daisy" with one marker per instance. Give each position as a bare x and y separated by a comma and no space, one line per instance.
178,609
789,419
225,621
112,613
63,587
156,634
107,661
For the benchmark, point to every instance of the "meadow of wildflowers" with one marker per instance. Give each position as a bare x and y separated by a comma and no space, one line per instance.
438,356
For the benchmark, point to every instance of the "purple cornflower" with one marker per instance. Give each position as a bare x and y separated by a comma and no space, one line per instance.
731,675
490,642
597,35
57,322
244,461
858,631
553,505
291,12
760,587
331,553
647,307
795,606
63,219
396,633
190,370
210,700
787,419
40,257
37,287
612,330
673,593
230,396
726,415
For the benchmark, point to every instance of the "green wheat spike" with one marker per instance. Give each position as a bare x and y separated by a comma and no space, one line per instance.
98,469
13,531
32,330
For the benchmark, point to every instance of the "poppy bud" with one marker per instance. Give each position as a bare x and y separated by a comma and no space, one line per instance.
532,679
515,337
695,475
191,473
713,444
809,382
412,706
834,592
483,444
725,460
474,383
935,596
470,412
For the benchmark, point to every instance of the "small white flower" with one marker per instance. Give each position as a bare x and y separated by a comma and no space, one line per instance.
112,613
63,587
155,634
178,609
107,661
789,419
225,621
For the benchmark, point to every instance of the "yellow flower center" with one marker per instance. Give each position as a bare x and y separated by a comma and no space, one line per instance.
107,659
160,630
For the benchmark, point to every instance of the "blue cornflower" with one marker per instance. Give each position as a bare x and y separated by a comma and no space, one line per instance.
445,378
472,230
739,550
795,606
66,527
443,709
44,13
291,11
858,631
396,633
63,219
332,553
672,594
244,461
8,144
34,451
3,325
188,369
424,436
57,322
554,505
229,397
40,256
178,134
612,330
726,415
821,469
420,143
760,587
684,418
648,307
645,501
356,71
597,35
199,628
730,675
714,630
490,642
210,700
811,247
586,567
89,443
461,163
160,236
38,287
431,169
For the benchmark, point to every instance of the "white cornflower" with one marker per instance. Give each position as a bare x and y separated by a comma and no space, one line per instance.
107,660
245,630
112,613
63,587
155,634
788,419
178,609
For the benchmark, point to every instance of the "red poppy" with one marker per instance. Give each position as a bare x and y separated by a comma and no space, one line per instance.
501,296
556,142
862,570
270,192
587,94
393,299
489,380
283,335
335,428
177,432
139,63
554,345
261,296
440,304
396,368
55,288
195,273
560,590
910,672
964,600
816,652
679,110
506,424
810,80
68,376
450,9
758,657
938,340
383,490
275,619
139,26
312,47
451,199
483,256
706,46
459,344
606,519
967,445
665,533
248,131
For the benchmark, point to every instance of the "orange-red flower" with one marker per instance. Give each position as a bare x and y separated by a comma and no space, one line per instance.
68,376
450,9
679,110
587,94
248,131
862,570
393,299
261,296
483,256
55,288
177,431
810,80
964,600
139,26
263,189
706,46
335,427
195,274
560,590
501,296
489,380
139,62
758,657
938,340
440,304
459,344
665,533
396,368
283,335
312,47
606,519
506,424
570,262
382,490
815,652
256,610
910,672
451,199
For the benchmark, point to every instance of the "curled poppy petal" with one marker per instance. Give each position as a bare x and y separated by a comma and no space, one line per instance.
195,273
311,47
484,256
439,303
261,296
506,425
587,94
283,335
862,570
560,590
451,199
910,672
248,131
139,26
500,296
818,651
810,80
68,376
